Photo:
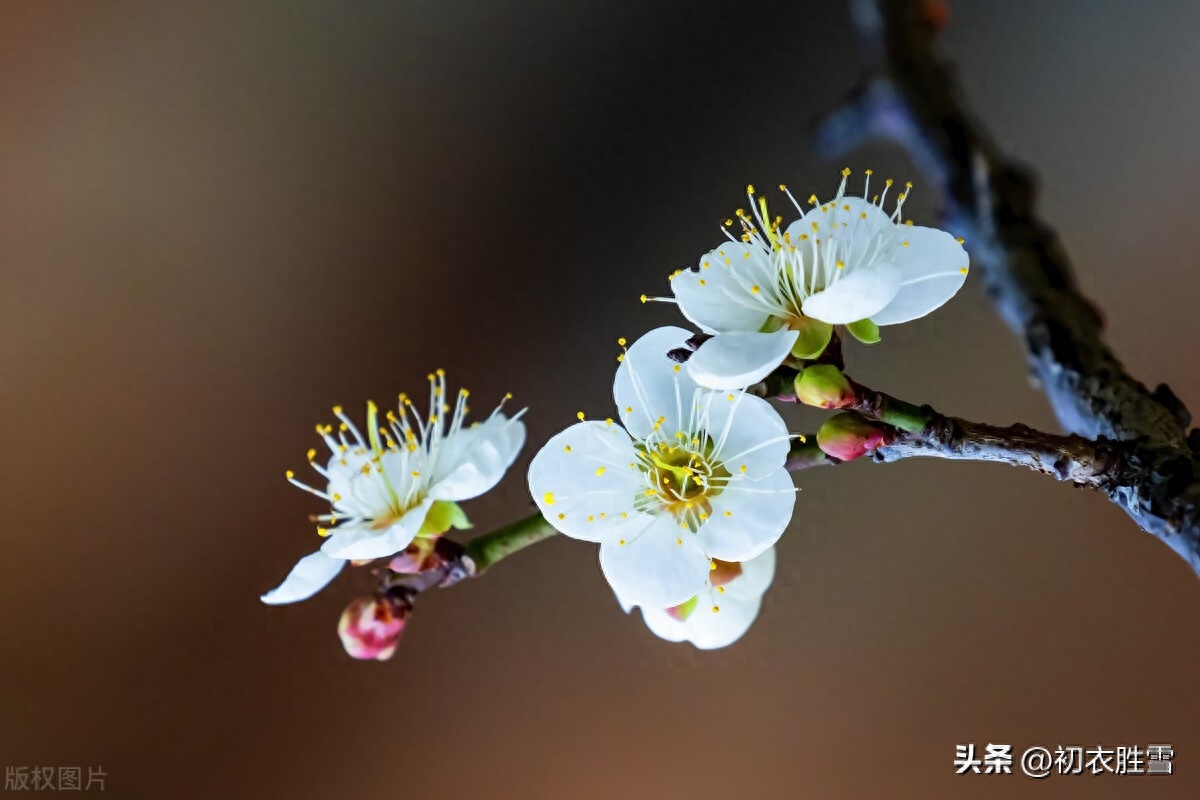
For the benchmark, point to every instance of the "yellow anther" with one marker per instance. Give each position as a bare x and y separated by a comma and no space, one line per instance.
716,609
728,222
846,172
720,590
846,207
337,410
311,454
742,468
562,516
441,373
337,498
608,422
755,289
702,282
782,187
289,474
908,184
888,182
812,198
712,565
960,240
746,255
904,244
621,341
621,542
624,515
580,416
591,518
628,409
416,474
841,265
679,542
644,298
729,513
322,531
676,368
548,498
963,270
750,188
868,172
599,471
567,449
649,492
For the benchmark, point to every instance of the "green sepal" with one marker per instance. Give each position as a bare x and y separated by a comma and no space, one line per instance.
814,338
442,516
684,610
864,330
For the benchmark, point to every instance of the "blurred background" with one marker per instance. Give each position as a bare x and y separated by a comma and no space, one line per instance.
219,219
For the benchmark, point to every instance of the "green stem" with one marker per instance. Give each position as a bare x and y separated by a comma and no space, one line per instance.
486,550
890,410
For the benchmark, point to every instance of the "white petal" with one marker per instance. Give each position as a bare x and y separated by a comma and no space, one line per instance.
739,605
757,575
653,569
740,358
704,628
932,270
310,575
854,231
646,381
482,454
857,294
360,543
583,492
749,432
758,514
717,295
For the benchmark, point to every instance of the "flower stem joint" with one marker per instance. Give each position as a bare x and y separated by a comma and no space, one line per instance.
848,435
824,386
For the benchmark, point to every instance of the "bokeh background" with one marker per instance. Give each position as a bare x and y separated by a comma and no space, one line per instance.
218,219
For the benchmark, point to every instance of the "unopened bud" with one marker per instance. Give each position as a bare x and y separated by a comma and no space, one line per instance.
370,627
824,386
848,435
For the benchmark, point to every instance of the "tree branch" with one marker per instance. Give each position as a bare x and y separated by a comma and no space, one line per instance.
910,98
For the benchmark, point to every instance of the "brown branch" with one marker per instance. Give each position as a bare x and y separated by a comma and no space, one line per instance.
911,98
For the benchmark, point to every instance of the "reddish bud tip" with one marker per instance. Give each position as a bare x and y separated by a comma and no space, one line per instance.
370,627
847,436
824,386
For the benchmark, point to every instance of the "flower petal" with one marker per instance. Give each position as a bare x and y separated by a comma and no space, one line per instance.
932,269
717,297
648,383
360,543
747,431
855,295
585,479
740,358
748,517
659,566
310,575
480,456
757,575
704,628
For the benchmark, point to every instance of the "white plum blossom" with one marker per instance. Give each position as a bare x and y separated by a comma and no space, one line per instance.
736,589
773,292
690,475
402,480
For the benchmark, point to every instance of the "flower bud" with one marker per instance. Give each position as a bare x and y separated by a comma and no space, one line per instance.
848,435
824,386
370,627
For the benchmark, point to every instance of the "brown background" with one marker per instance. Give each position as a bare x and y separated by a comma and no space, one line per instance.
217,219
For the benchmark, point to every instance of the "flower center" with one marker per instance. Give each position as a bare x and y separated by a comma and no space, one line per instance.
683,479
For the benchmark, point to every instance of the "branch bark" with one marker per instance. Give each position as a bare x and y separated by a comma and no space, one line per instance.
910,97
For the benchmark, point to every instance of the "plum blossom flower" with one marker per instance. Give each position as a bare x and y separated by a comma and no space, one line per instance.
774,292
723,612
690,475
398,482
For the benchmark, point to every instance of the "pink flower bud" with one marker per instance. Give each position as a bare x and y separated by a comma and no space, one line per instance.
824,386
370,627
848,435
